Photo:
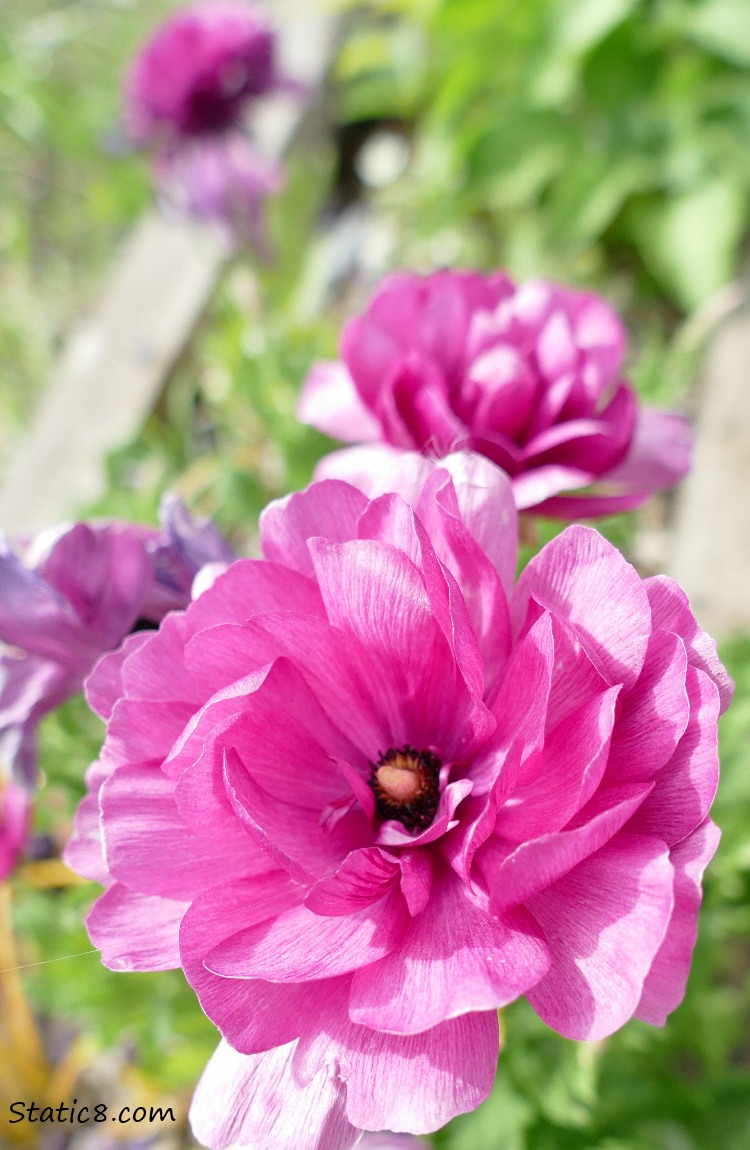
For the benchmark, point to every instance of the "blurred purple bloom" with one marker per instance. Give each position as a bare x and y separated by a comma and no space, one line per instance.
187,95
529,375
67,596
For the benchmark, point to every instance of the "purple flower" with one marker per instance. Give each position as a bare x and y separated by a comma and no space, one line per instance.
73,593
529,376
187,97
368,789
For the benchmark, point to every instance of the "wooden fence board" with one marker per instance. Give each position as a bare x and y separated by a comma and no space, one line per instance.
710,553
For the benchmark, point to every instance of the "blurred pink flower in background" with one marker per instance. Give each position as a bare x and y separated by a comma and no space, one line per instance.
528,375
186,99
15,811
72,593
368,789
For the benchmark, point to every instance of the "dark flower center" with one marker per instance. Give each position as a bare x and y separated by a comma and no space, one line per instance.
211,112
406,785
143,624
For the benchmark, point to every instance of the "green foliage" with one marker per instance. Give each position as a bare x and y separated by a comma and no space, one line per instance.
574,137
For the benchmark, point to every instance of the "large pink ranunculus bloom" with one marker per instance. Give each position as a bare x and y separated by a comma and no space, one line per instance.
528,375
72,593
187,96
369,788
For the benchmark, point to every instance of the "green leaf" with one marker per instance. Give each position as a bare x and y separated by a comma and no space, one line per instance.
691,242
499,1124
723,27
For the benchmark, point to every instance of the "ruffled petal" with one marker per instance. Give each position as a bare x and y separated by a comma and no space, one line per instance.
299,946
587,582
665,983
604,923
411,1083
330,402
255,1100
455,958
136,931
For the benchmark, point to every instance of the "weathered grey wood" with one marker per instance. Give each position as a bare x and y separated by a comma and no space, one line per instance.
711,543
116,361
111,371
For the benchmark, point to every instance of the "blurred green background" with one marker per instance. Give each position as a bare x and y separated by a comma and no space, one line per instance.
603,142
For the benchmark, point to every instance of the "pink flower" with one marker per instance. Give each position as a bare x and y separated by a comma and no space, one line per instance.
368,789
187,96
73,593
529,376
14,824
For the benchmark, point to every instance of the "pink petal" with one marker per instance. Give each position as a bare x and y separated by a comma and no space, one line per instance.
664,987
443,320
670,611
329,508
415,409
345,679
388,1141
575,680
487,508
499,391
581,506
150,847
599,332
299,946
514,874
585,580
295,838
520,705
660,453
104,687
142,731
484,600
653,715
248,587
393,833
358,465
363,878
571,766
416,879
136,931
373,592
686,786
596,444
604,923
371,356
253,1015
143,674
254,1100
188,759
454,958
330,402
532,489
412,1083
84,852
37,618
389,519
